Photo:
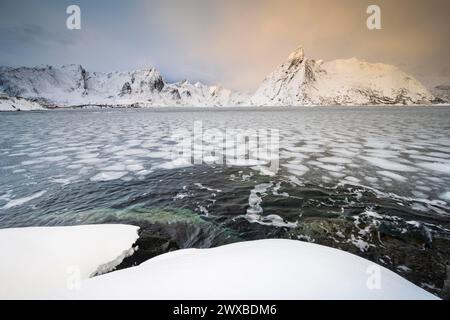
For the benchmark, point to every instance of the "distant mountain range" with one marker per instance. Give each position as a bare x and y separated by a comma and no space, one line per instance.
72,85
299,81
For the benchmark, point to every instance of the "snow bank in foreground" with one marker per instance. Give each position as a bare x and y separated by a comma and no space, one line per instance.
267,269
36,262
59,262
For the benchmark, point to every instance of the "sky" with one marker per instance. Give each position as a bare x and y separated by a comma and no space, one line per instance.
235,43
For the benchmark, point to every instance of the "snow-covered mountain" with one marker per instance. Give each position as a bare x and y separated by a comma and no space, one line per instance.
72,85
302,81
8,103
442,92
299,81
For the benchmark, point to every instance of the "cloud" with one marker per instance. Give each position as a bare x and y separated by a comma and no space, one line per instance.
234,42
30,34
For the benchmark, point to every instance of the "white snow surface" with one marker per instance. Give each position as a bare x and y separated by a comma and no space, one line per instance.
72,85
18,104
265,269
37,262
302,81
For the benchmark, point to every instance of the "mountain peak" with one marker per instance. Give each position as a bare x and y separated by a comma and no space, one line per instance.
300,81
297,55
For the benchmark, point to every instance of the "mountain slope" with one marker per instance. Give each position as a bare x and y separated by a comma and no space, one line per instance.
302,81
18,104
442,92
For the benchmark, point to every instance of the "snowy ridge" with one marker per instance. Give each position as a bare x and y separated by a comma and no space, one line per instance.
442,92
300,81
8,103
72,85
39,261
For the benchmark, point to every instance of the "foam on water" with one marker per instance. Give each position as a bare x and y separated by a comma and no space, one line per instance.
109,175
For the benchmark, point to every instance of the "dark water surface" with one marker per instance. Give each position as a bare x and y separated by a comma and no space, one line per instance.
371,181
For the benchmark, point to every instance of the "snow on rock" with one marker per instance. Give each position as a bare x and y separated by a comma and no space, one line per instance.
303,81
265,269
72,85
297,55
37,262
18,104
297,82
442,92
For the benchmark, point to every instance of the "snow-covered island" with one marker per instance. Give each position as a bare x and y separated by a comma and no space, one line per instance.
71,262
299,81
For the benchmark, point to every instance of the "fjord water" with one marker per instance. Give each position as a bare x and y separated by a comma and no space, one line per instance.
374,181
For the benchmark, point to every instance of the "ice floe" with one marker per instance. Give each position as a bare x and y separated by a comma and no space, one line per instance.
20,201
109,175
445,196
388,164
436,166
383,151
392,175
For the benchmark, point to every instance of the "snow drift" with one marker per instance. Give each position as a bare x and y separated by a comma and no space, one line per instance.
37,262
266,269
65,263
